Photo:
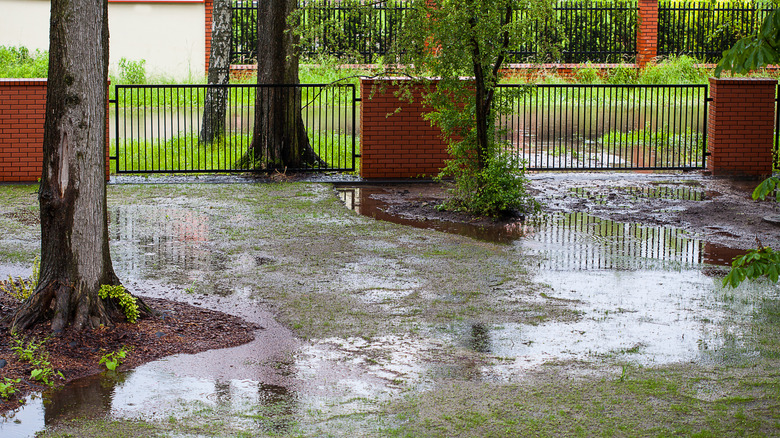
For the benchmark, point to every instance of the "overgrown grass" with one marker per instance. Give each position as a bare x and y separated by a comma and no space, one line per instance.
184,153
20,62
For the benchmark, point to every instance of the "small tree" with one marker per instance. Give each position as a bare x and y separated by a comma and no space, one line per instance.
748,54
464,44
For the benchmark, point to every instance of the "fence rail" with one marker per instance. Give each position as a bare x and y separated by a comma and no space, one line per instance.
594,127
586,30
162,128
704,29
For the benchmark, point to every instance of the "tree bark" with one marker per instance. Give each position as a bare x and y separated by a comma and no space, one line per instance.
215,107
75,259
279,139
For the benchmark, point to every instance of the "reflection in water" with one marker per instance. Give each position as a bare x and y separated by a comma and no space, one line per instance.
154,395
572,241
146,241
677,193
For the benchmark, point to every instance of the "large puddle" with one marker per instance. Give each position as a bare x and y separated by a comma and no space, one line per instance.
646,296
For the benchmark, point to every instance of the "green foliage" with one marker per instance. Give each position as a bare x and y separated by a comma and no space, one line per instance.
113,359
760,262
126,301
497,189
20,288
674,70
8,388
756,51
34,353
763,261
18,62
132,72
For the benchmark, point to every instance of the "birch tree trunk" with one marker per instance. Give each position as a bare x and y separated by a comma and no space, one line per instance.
215,107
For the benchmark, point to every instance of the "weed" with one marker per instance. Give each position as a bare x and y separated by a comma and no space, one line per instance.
8,388
132,72
21,289
126,301
115,358
34,353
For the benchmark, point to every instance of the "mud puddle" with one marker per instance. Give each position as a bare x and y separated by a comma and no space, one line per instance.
645,294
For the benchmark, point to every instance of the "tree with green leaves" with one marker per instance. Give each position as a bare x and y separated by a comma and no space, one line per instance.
463,45
756,51
749,54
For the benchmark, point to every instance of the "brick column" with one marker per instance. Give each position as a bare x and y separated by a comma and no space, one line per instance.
209,5
396,144
647,33
740,126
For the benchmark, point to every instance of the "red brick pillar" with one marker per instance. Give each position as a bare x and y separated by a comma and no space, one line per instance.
740,127
209,5
647,33
398,144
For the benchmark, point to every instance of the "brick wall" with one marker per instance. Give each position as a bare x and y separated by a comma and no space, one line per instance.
396,144
22,111
22,115
740,127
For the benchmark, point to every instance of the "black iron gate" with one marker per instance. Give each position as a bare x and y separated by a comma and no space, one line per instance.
605,127
159,128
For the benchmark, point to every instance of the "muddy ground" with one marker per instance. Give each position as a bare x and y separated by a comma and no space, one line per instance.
377,329
718,210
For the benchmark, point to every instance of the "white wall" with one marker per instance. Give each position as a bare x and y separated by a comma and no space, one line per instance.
169,36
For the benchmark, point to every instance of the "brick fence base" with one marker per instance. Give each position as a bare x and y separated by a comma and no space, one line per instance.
22,115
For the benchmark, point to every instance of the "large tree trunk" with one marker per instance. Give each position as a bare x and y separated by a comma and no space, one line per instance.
280,139
215,108
75,259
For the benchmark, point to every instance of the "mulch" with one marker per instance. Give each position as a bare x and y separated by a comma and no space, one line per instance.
175,328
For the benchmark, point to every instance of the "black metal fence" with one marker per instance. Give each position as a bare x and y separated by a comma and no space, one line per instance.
594,127
585,30
160,128
704,29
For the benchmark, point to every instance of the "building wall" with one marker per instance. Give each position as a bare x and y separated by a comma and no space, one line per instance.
169,35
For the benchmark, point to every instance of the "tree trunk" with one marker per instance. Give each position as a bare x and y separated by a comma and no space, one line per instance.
75,259
215,109
279,139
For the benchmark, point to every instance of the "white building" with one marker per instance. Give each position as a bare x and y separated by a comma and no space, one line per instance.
170,35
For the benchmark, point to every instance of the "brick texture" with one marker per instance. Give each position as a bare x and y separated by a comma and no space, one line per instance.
22,115
647,33
740,126
209,4
397,144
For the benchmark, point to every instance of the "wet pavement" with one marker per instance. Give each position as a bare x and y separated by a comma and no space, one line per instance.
647,295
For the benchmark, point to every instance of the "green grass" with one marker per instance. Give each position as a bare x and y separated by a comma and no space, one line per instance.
183,153
19,62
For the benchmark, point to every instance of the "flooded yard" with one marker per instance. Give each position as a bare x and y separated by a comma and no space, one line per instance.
378,320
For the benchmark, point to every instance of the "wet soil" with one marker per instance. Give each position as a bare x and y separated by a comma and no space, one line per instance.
175,328
717,210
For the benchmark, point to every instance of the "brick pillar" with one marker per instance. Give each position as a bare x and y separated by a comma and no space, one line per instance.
647,33
209,5
396,144
740,126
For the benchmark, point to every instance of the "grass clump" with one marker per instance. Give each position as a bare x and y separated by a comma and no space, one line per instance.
19,62
21,288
